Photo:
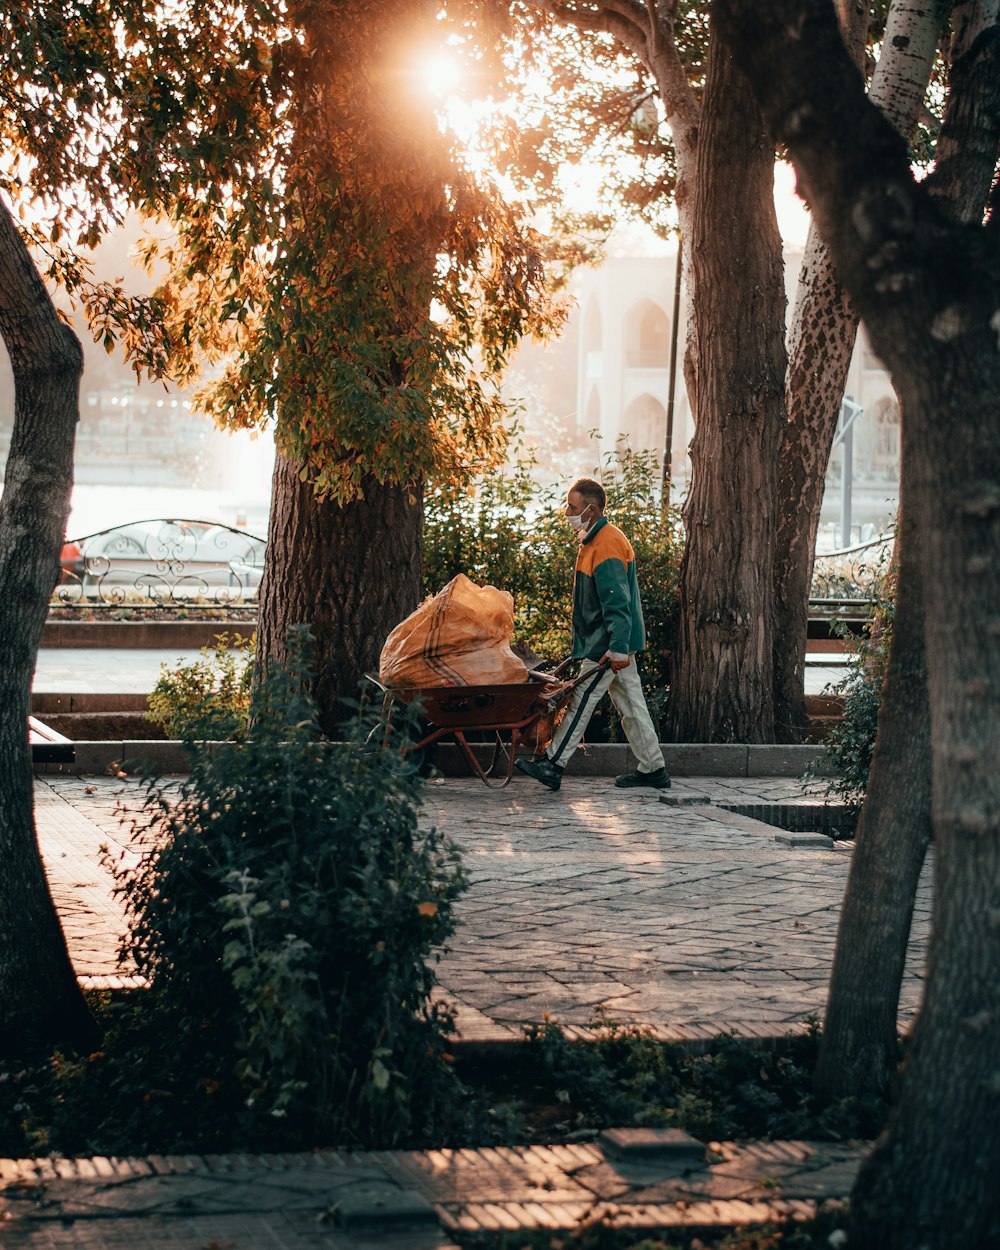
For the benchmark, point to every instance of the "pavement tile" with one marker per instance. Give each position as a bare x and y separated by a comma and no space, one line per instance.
409,1200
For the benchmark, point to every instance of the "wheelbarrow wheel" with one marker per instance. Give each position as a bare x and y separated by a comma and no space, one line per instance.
425,757
417,728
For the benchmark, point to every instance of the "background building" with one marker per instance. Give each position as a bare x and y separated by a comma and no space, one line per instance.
622,334
141,450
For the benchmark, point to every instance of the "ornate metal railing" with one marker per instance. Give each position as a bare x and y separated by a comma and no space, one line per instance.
163,562
851,574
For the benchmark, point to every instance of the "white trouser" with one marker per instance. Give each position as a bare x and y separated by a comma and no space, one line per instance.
625,690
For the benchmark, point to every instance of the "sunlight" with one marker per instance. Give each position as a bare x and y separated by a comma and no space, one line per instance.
441,74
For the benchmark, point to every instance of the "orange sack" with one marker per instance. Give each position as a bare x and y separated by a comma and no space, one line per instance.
458,637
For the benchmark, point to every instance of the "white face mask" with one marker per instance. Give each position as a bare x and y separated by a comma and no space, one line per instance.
577,522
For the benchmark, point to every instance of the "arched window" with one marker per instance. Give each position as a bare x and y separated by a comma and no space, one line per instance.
885,417
592,333
647,336
645,423
593,416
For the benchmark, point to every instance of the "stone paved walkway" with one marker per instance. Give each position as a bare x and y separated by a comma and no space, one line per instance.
689,919
681,916
417,1200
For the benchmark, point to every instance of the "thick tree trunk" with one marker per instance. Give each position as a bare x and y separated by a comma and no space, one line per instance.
40,1001
352,572
931,1181
858,1045
932,1178
723,679
858,1049
349,573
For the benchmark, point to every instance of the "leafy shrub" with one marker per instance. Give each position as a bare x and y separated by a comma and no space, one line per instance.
601,1233
283,909
735,1089
208,699
513,535
850,742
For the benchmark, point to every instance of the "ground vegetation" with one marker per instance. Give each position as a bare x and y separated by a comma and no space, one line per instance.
598,1234
284,907
208,699
136,1096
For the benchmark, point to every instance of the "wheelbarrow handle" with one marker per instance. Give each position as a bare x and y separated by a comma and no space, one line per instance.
563,689
551,674
582,677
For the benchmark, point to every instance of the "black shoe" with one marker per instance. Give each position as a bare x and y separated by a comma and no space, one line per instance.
542,770
658,780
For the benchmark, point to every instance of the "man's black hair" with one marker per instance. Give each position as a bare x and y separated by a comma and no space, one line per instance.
592,490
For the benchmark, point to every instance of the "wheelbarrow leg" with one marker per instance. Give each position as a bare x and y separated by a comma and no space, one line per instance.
477,768
509,754
498,750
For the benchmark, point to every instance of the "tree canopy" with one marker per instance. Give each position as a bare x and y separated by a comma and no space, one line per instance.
307,205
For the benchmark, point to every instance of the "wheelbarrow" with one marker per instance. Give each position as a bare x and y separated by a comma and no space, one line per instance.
507,711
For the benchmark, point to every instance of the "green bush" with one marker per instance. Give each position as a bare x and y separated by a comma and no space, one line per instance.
736,1088
513,535
209,699
851,741
283,910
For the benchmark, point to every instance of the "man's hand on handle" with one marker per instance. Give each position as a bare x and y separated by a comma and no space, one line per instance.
616,661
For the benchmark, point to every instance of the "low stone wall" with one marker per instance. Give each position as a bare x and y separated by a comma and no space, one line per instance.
145,635
598,760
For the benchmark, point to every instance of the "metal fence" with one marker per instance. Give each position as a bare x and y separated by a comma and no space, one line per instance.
182,563
162,562
853,574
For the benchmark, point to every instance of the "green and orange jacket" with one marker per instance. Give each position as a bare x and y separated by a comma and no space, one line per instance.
607,613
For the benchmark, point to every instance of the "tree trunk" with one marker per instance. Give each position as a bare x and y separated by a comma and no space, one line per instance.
40,1000
821,341
723,680
857,1054
349,573
373,193
928,290
858,1047
932,1179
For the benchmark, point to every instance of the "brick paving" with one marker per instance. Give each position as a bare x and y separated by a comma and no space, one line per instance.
688,919
691,920
417,1200
680,916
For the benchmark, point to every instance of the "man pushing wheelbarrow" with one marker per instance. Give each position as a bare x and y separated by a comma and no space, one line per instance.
453,658
608,630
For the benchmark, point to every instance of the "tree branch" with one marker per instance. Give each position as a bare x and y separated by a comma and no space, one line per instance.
646,28
622,19
665,64
883,229
970,134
